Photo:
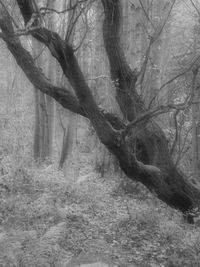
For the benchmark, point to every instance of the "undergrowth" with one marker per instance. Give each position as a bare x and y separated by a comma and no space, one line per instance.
48,219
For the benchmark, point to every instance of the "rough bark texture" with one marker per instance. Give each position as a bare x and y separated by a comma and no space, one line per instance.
152,142
153,167
70,128
196,127
42,141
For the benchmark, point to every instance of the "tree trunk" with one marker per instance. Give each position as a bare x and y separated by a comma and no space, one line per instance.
41,140
36,143
68,136
196,128
196,117
70,127
151,141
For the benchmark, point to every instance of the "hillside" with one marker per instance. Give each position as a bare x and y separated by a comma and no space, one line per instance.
51,220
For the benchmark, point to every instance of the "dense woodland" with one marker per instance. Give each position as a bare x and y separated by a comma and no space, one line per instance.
100,133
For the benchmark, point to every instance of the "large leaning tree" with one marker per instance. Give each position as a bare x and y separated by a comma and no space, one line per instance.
153,166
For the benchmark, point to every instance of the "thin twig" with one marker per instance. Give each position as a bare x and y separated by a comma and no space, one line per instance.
146,14
64,10
195,7
181,153
174,78
84,36
152,113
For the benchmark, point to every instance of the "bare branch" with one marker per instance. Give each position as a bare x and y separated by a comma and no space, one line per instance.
35,76
73,22
176,77
157,32
84,36
181,152
6,9
144,65
176,132
146,14
160,28
147,116
64,10
195,7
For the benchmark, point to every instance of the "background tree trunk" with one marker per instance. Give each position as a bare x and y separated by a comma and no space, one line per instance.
41,135
196,115
196,129
68,126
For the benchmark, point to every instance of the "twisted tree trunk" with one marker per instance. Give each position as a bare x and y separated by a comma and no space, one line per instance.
153,166
165,180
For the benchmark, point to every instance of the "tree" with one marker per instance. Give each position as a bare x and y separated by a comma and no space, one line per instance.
41,140
143,157
44,105
195,110
69,129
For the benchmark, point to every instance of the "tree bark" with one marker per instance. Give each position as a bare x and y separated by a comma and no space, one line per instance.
151,140
70,128
42,122
153,166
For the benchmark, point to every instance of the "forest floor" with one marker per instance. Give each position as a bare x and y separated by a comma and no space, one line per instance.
51,219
